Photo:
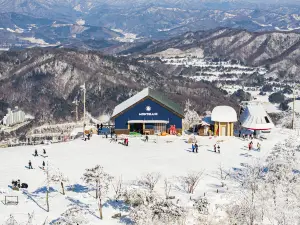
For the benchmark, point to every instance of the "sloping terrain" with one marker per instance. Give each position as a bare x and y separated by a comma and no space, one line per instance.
278,51
44,82
22,31
163,19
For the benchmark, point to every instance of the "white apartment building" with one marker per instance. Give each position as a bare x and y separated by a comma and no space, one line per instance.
13,117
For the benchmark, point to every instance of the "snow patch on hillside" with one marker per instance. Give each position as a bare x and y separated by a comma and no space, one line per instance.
128,37
174,52
35,40
80,22
262,25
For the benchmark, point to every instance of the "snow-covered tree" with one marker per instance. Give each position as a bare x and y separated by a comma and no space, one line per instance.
190,181
117,185
283,183
167,187
201,205
137,196
11,221
158,213
191,117
59,177
222,174
149,180
247,206
100,181
73,215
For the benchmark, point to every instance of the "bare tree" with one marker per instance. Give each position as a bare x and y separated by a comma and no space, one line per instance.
11,220
30,219
118,187
191,181
167,187
222,174
99,180
59,177
149,181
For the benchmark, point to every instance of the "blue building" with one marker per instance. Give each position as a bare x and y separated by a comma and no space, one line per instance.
147,112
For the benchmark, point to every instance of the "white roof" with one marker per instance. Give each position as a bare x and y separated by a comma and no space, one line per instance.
148,121
223,114
131,101
255,117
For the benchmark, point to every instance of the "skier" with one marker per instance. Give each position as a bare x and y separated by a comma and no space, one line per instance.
111,133
44,151
35,153
89,135
101,126
98,131
240,132
215,147
251,136
30,165
219,149
244,136
126,141
44,164
19,184
258,146
193,147
147,138
250,146
196,147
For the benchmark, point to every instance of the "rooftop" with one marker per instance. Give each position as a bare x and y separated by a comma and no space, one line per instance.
147,92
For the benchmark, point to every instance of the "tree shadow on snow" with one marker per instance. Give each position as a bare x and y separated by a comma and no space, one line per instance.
78,188
126,220
43,190
83,206
118,205
30,196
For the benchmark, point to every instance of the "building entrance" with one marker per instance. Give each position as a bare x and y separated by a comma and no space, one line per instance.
136,127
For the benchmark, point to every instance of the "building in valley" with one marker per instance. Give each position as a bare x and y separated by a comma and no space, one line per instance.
14,116
147,112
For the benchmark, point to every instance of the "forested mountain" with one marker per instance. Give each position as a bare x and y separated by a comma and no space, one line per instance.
45,82
278,51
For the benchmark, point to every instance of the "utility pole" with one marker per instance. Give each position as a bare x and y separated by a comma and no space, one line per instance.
294,102
47,193
84,109
76,109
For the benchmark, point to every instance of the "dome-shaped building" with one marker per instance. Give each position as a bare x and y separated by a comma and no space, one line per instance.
224,118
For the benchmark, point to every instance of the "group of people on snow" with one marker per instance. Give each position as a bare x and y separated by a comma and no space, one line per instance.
195,147
217,147
250,146
35,155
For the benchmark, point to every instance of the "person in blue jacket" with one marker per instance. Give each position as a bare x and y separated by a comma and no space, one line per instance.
193,147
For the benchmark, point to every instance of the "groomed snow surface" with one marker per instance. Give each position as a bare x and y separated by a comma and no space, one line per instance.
171,156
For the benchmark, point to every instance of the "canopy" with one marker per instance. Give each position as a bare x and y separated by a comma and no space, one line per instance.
148,121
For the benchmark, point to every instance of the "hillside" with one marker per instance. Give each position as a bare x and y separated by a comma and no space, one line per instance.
44,82
278,51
